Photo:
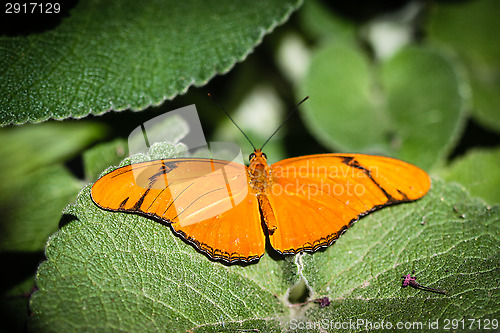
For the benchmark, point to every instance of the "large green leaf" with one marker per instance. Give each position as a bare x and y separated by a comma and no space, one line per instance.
115,55
135,265
470,28
100,157
14,302
114,271
392,109
27,148
33,207
34,185
449,239
479,172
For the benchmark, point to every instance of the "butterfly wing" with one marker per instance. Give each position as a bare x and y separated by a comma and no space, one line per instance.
316,198
206,201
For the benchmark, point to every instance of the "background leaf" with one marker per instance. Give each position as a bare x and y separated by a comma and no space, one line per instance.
27,148
34,185
119,55
28,222
425,125
391,110
321,23
14,303
479,172
102,266
471,36
100,157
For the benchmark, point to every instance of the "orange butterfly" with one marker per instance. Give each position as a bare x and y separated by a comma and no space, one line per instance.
226,209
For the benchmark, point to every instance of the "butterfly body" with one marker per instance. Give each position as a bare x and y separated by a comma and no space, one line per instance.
218,206
261,182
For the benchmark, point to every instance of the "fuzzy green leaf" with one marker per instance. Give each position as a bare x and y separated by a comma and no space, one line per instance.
479,172
392,110
126,264
449,239
128,54
97,159
114,271
27,148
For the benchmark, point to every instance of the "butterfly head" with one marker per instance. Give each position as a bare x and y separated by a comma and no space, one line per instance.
258,162
256,155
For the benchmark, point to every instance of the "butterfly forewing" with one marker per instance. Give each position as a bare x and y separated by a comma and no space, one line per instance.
315,198
187,192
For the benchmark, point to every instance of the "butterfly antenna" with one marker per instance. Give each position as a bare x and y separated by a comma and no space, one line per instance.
284,121
235,124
